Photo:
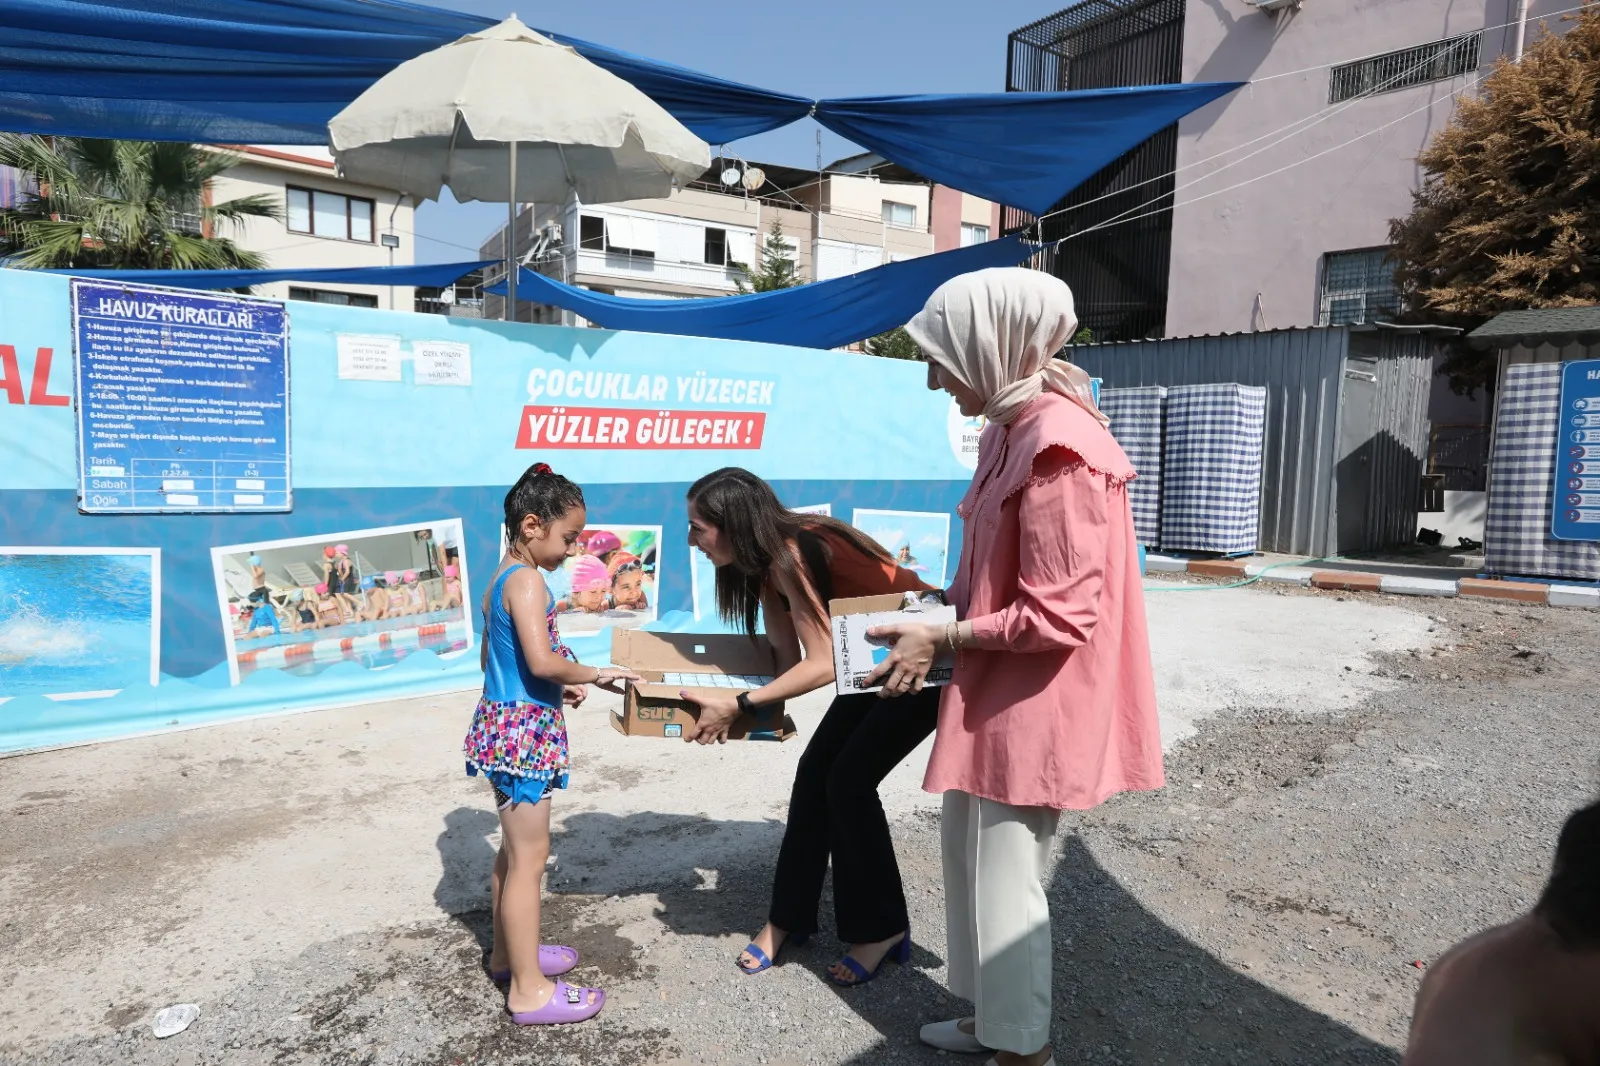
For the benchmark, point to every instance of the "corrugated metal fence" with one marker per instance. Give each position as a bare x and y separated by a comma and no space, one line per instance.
1308,448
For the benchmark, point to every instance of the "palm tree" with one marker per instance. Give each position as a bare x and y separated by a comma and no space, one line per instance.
128,205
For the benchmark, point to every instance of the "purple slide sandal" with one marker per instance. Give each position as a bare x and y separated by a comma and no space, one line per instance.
554,960
567,1004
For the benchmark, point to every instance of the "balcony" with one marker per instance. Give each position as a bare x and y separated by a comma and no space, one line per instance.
647,269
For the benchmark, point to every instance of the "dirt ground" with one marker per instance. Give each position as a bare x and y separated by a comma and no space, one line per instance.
317,890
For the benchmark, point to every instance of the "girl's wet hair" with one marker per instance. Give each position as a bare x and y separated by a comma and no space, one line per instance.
540,492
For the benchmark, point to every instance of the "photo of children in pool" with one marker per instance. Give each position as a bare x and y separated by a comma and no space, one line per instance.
703,575
918,540
371,596
78,623
610,582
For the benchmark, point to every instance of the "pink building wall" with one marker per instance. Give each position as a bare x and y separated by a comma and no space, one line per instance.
1250,258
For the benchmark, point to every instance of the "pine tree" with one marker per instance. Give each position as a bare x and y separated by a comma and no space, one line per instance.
777,268
1508,216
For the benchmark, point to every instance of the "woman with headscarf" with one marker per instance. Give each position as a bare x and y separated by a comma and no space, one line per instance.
1052,705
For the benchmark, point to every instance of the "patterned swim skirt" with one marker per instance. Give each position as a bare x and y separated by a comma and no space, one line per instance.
520,746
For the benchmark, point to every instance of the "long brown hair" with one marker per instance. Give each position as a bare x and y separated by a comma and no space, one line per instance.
758,528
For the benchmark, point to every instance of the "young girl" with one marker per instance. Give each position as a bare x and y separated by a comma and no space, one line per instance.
590,587
518,740
627,583
451,589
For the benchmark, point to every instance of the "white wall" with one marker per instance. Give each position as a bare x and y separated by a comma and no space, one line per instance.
1269,237
261,173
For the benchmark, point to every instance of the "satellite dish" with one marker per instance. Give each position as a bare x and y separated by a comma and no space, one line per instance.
730,177
754,178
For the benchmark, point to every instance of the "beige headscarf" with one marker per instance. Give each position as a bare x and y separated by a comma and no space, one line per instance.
998,331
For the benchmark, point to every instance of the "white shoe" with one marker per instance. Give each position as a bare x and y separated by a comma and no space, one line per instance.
948,1036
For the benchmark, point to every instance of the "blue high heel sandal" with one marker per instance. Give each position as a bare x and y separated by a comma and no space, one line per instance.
762,962
900,953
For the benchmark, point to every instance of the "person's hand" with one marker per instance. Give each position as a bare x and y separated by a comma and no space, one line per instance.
614,679
717,714
573,695
910,657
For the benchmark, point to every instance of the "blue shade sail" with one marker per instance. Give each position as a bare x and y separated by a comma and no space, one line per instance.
823,314
276,71
1025,150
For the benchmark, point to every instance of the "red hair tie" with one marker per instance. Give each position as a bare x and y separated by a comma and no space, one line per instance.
542,468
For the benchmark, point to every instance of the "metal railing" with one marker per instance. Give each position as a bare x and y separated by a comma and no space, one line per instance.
1118,275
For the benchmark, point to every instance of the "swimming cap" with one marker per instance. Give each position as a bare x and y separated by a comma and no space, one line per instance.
322,589
451,571
296,596
327,553
255,560
411,577
367,582
620,560
589,574
604,541
342,549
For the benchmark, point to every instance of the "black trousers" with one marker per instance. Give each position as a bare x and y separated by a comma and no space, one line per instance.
834,811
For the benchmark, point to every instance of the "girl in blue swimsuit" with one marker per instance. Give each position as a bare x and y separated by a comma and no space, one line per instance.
518,740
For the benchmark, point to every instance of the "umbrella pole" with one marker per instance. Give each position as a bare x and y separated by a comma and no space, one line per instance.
511,240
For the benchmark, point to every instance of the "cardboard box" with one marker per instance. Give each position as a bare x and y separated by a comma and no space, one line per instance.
854,656
698,663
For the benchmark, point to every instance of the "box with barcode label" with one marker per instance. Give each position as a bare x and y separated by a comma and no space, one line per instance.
700,664
856,656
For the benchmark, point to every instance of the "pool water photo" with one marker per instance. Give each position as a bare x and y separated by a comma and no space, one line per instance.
76,623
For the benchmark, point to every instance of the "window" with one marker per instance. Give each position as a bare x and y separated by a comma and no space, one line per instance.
592,233
901,216
971,234
329,214
1438,61
329,296
716,246
1358,287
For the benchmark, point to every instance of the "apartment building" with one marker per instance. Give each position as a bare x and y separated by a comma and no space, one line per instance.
327,222
1367,81
857,214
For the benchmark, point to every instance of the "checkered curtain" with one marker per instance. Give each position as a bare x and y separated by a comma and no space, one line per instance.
1211,472
1516,534
1137,421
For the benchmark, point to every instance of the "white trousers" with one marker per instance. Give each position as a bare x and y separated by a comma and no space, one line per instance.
997,917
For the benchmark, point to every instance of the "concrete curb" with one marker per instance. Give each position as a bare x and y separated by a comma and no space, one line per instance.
1358,581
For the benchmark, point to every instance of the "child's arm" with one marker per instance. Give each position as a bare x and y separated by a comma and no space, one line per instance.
526,598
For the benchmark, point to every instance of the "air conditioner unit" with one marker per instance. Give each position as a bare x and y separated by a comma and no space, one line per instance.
1274,5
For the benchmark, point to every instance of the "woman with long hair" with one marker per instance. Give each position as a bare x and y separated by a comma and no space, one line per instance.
788,566
1052,705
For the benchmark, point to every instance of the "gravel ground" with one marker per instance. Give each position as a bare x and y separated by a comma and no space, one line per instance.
1268,906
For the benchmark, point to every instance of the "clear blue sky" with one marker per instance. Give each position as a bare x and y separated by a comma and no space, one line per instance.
822,48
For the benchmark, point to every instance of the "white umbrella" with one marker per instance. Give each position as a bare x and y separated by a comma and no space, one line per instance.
510,115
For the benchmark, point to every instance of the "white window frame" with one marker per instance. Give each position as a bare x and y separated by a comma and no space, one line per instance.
312,196
889,212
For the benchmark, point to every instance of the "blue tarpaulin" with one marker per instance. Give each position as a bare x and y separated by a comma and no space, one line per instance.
436,275
1026,150
824,314
275,72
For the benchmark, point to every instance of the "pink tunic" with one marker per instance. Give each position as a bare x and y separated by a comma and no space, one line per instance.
1066,715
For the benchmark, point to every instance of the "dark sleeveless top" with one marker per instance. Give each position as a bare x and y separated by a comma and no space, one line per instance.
840,571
